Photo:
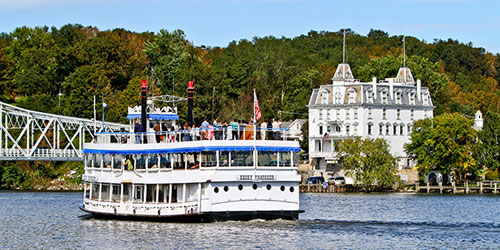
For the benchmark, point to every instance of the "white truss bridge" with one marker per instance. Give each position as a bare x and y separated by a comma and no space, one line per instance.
27,135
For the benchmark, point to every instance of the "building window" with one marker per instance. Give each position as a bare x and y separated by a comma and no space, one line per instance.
401,128
384,97
355,113
352,95
338,98
347,129
355,128
370,113
426,99
328,129
338,114
348,114
369,95
412,98
320,129
395,129
321,114
369,129
337,129
412,113
425,113
387,129
398,97
324,97
380,128
399,114
409,129
384,114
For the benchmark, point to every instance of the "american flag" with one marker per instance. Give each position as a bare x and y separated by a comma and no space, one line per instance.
256,106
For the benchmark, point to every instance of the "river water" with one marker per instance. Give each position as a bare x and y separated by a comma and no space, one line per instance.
38,220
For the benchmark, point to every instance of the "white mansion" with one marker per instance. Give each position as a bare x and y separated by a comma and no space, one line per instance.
349,108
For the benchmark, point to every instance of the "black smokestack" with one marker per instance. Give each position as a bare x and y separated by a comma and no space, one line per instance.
190,91
144,90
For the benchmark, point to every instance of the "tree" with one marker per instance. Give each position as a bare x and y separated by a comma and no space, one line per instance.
166,53
445,143
369,161
489,147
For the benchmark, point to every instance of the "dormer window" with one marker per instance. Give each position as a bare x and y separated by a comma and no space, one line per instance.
412,98
369,95
324,97
426,99
338,98
384,97
352,95
398,97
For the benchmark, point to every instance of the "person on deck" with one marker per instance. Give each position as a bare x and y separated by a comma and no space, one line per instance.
234,128
204,129
157,130
263,127
138,129
276,130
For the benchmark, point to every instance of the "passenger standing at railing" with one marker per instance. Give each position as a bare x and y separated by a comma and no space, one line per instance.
263,127
234,128
186,134
270,130
276,130
171,134
217,131
138,129
195,133
204,129
164,130
157,130
224,131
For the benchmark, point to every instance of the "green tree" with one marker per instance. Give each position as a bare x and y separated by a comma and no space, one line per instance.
166,53
489,146
369,161
445,143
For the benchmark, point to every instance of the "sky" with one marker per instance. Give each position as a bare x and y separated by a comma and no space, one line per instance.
218,22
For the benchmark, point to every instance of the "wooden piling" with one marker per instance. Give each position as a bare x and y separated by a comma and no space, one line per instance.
428,187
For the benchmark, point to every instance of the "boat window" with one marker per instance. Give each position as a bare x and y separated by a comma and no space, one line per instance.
241,158
240,187
291,189
178,160
285,159
226,188
209,159
165,161
282,188
153,161
115,197
88,160
193,160
97,161
107,160
268,186
105,192
151,192
141,162
95,191
254,186
127,187
295,156
138,194
224,158
117,161
268,158
216,189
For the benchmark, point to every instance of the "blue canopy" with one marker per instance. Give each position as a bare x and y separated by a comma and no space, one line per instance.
155,116
189,150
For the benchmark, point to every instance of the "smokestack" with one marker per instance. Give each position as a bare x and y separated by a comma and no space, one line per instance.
190,92
144,90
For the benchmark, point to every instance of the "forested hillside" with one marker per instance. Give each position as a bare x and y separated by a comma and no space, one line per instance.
41,66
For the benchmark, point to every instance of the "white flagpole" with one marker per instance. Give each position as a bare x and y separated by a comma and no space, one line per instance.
95,117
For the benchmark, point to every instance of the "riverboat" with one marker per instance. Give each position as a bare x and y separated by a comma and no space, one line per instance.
198,175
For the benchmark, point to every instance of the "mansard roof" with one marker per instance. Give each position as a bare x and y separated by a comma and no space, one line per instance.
343,73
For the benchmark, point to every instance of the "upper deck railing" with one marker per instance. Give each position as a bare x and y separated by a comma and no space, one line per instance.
198,134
